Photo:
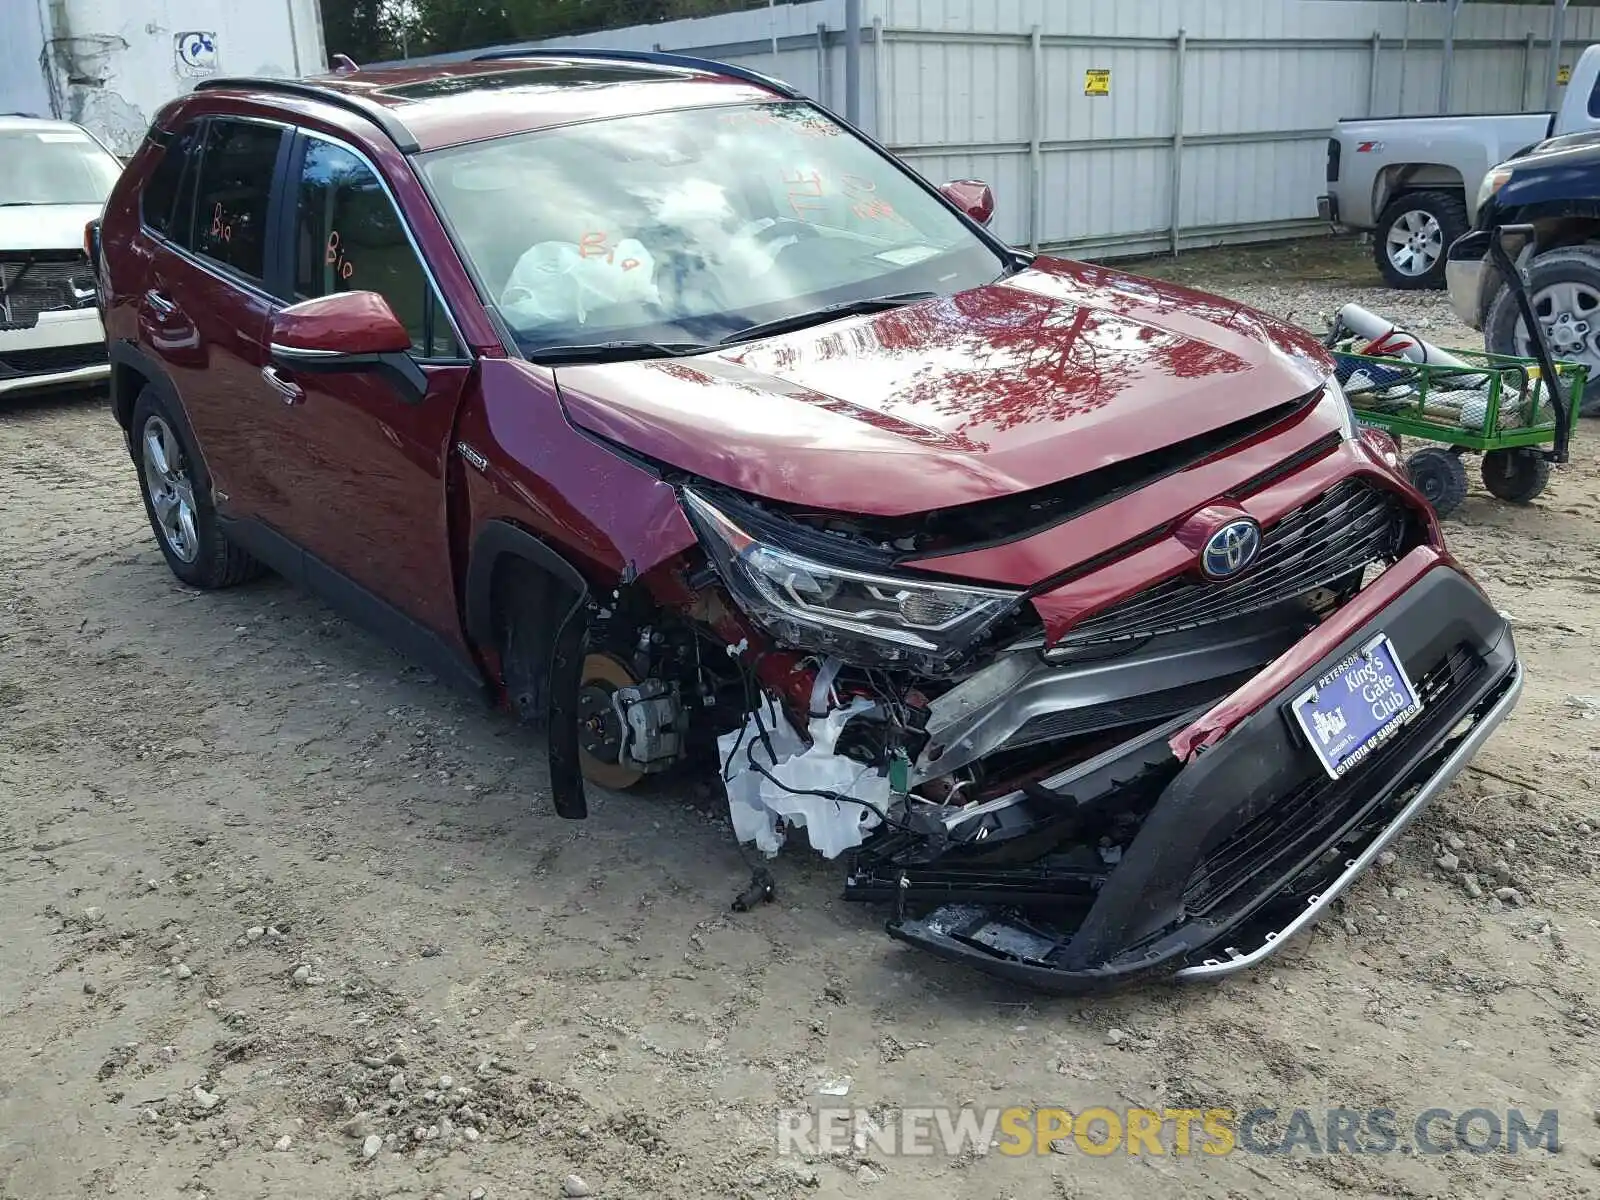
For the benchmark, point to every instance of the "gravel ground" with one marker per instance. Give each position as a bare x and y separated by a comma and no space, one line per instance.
288,919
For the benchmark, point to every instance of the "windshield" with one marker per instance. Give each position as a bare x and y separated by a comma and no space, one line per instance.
693,225
54,166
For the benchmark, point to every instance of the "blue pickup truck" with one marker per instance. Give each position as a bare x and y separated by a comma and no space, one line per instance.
1555,188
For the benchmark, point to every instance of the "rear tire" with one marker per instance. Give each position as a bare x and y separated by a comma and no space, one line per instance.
1517,475
1561,281
1414,232
1441,476
176,488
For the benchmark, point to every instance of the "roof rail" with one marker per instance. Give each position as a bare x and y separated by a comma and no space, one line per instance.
402,137
656,57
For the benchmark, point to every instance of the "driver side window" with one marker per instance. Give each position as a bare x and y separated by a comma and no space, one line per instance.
349,237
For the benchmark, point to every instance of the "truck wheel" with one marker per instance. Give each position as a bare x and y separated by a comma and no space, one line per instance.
1439,475
1517,475
1564,288
177,498
1413,233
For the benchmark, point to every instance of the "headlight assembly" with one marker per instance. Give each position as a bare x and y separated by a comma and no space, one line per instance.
867,618
1333,394
1493,181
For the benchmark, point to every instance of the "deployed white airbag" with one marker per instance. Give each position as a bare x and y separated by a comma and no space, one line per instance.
559,282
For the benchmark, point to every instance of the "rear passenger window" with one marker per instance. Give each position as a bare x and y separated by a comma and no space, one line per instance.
348,237
235,184
172,177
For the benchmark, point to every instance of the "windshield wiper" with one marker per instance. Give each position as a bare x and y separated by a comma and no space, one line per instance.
845,308
601,352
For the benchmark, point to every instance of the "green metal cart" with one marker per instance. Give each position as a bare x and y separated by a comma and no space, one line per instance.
1518,413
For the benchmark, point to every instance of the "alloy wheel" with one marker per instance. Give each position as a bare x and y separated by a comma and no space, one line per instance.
171,491
1415,242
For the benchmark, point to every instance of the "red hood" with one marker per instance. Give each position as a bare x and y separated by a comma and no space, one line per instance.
1056,371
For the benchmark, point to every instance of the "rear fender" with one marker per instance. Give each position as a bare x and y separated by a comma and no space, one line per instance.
1412,177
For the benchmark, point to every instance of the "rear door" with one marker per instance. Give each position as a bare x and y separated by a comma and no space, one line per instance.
363,463
203,313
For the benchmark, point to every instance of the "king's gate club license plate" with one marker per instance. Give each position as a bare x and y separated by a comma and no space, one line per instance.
1356,707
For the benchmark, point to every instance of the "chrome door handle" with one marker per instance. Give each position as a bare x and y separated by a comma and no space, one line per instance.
288,390
160,303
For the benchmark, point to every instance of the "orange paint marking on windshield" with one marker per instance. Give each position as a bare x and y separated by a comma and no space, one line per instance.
803,190
596,243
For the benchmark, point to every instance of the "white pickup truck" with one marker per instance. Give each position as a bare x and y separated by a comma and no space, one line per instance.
1414,181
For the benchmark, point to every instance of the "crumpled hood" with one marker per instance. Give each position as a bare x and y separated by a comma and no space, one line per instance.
45,226
1054,372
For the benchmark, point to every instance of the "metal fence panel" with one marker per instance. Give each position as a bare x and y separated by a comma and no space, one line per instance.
1217,113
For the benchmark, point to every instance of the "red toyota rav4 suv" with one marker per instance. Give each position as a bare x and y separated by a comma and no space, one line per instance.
648,397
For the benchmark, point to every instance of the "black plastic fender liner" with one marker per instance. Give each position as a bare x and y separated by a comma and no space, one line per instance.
496,540
499,540
566,677
128,360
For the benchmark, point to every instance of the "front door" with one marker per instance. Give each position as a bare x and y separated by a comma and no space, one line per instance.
363,464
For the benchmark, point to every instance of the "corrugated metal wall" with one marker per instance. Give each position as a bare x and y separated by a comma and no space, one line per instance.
1217,114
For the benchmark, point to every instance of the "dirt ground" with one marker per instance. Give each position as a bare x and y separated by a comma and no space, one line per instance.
202,794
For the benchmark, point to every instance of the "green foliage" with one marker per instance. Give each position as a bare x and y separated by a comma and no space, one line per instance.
376,30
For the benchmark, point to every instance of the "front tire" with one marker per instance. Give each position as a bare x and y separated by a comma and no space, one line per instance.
177,498
1414,232
1564,289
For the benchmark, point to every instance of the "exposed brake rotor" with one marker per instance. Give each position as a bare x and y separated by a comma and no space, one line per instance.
600,730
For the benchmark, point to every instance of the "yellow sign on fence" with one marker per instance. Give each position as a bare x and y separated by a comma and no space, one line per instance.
1097,82
1563,74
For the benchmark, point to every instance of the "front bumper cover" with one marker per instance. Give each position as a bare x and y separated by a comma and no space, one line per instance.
1247,843
61,349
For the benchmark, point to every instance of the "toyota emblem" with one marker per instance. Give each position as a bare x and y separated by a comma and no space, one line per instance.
1231,549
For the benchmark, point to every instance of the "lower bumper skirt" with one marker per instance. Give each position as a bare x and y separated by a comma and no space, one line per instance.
77,377
1499,708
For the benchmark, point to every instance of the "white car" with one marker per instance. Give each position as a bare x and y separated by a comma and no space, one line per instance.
54,180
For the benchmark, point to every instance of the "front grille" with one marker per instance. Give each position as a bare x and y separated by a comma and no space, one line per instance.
1321,807
1317,544
43,282
50,359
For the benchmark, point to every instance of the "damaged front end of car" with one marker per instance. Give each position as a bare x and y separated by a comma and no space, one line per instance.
1095,775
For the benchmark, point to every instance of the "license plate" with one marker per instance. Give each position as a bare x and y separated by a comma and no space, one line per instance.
1356,707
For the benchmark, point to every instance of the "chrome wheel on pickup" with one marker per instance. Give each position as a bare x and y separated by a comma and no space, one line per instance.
1412,236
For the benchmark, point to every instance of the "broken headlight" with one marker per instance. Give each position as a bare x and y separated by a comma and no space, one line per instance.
1333,395
867,618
